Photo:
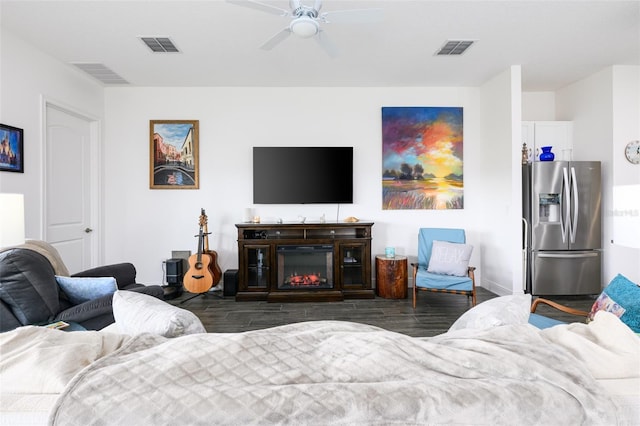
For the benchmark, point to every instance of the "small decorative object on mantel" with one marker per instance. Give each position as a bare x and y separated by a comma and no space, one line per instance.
525,154
11,149
352,219
547,155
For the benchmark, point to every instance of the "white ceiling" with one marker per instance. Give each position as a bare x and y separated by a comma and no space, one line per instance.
556,42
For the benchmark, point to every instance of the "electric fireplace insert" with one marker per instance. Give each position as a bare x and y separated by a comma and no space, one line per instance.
305,267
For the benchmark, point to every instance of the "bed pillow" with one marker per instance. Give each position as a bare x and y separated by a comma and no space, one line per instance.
83,289
450,258
504,310
622,298
137,313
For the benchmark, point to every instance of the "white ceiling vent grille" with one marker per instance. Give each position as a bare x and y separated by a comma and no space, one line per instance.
455,47
102,73
160,44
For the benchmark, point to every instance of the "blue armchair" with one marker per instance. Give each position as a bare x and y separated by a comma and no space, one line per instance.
434,279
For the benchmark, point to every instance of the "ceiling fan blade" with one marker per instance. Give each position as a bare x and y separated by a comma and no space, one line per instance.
276,39
260,6
353,16
327,45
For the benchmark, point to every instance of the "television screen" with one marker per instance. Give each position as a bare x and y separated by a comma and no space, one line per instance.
302,175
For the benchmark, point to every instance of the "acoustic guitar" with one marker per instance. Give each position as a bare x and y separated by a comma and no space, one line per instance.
213,266
198,278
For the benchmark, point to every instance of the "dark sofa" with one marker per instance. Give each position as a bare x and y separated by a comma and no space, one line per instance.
30,295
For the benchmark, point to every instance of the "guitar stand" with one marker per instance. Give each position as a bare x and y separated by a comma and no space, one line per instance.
214,293
199,264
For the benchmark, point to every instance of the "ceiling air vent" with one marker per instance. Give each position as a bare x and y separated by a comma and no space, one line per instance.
160,44
455,47
102,73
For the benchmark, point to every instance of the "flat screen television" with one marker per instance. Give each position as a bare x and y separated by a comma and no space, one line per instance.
302,175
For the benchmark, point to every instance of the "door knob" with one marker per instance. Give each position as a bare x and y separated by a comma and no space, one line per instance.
88,230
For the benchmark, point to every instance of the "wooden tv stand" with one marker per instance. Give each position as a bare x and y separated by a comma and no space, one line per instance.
262,247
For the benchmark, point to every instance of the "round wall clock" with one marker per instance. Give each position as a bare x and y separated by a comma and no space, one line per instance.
632,152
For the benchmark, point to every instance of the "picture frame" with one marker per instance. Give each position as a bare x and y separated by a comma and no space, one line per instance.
422,158
174,154
11,149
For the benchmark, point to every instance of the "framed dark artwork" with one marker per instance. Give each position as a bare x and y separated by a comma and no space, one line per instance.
174,160
422,158
11,149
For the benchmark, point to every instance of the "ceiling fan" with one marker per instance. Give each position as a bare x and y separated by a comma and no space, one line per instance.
306,21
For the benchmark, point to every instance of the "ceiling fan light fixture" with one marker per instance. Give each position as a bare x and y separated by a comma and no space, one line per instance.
304,27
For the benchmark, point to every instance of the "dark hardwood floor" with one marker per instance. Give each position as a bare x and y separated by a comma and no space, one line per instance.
434,313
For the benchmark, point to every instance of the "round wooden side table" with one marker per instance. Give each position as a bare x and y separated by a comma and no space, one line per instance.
391,277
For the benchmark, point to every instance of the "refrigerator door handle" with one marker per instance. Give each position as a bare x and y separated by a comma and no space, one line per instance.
565,209
569,255
525,254
576,205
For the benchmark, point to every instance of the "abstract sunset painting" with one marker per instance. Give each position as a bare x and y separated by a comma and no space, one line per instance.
422,158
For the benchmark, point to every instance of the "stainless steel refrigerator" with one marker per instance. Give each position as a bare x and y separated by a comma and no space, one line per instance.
562,227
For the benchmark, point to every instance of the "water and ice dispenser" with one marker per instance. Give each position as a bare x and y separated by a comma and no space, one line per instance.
549,208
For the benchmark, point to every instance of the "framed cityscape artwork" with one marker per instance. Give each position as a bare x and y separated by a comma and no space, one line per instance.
11,149
422,158
174,160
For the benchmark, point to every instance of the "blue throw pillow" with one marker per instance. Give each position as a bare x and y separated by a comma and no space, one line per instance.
83,289
622,298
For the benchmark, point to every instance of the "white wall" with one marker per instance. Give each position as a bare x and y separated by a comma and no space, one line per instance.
28,77
499,215
144,225
538,106
625,259
605,110
625,215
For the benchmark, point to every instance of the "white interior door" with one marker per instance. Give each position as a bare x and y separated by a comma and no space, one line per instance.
69,185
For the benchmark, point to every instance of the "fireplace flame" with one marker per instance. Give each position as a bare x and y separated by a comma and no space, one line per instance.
305,280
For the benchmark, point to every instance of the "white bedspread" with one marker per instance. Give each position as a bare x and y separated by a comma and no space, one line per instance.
331,372
37,363
38,360
608,348
326,372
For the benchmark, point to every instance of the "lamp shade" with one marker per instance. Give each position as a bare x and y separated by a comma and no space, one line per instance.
11,219
304,27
